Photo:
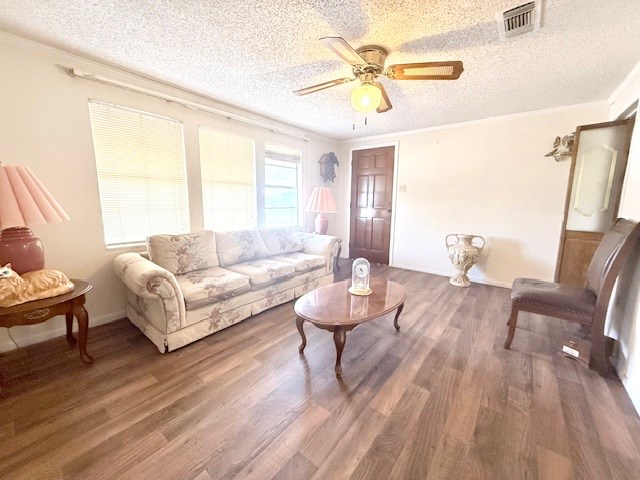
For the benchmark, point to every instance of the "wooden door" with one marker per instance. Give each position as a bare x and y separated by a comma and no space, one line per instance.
371,204
598,166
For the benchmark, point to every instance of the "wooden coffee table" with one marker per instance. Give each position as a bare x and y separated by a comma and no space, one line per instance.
333,308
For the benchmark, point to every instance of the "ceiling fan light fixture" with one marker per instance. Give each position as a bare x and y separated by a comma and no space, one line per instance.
368,64
366,97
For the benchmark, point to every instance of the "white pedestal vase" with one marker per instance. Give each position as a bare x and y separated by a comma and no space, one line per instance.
463,251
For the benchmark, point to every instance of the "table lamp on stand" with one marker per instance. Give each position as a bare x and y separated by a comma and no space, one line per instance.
24,201
321,202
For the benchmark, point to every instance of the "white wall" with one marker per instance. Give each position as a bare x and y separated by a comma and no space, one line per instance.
487,178
625,309
45,125
316,150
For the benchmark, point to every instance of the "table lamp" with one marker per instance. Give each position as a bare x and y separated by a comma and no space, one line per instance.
24,201
321,202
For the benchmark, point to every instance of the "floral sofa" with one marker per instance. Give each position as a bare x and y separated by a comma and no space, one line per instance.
186,287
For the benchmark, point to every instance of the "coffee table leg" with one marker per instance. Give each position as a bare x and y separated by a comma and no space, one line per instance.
299,322
339,337
395,320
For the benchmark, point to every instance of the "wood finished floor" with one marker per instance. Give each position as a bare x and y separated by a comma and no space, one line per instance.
439,399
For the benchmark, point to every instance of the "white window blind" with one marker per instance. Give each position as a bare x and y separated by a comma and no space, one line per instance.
281,186
227,163
140,161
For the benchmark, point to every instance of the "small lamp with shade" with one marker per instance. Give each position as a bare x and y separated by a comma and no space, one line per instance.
321,202
24,201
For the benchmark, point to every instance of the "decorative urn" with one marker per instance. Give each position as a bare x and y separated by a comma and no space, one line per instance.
360,274
463,251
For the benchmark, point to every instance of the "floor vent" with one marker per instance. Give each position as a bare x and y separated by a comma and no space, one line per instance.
519,20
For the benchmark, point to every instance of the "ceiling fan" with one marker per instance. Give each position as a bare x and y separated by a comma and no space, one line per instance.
368,64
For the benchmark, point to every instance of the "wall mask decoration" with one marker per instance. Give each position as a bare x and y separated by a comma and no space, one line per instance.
328,163
562,147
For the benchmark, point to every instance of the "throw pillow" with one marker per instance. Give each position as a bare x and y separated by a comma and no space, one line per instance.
281,240
240,246
183,253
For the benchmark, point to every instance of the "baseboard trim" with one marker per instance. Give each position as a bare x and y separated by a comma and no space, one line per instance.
448,273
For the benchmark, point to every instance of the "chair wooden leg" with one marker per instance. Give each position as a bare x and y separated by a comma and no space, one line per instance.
513,319
599,359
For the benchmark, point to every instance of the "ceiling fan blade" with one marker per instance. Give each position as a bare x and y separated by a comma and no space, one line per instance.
425,71
322,86
385,104
341,48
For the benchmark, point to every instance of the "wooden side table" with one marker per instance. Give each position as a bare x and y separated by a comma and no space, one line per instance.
70,304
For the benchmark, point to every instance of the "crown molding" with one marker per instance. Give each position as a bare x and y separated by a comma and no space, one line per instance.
498,118
633,75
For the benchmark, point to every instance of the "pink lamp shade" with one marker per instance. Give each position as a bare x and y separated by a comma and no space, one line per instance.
24,201
321,202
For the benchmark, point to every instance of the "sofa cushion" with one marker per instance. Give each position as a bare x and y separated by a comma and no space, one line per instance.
302,261
281,240
202,287
264,271
183,253
240,246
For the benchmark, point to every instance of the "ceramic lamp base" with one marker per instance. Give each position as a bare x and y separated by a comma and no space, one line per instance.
20,248
321,223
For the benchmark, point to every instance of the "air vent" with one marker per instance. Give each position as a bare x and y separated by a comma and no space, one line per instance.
519,20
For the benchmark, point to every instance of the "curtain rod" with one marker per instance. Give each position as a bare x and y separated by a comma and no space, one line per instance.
74,72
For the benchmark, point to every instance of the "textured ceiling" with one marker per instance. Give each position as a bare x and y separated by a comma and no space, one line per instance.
254,54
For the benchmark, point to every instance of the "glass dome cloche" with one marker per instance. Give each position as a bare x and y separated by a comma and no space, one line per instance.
360,275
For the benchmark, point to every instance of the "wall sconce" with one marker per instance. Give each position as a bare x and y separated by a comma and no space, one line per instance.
562,147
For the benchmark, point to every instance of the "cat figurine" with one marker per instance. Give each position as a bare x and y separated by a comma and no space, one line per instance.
16,289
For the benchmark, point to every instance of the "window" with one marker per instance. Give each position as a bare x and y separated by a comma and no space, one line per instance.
227,163
281,186
140,162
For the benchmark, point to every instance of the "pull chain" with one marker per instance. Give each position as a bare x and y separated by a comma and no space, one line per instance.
355,119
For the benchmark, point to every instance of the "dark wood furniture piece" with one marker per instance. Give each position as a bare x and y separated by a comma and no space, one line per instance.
577,249
70,304
598,165
587,306
333,308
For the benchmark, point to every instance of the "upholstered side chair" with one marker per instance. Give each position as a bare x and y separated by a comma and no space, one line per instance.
588,305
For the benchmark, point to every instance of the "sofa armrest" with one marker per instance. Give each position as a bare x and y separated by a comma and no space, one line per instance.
328,246
148,280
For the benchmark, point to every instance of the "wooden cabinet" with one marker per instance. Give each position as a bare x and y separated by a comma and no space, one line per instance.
598,166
